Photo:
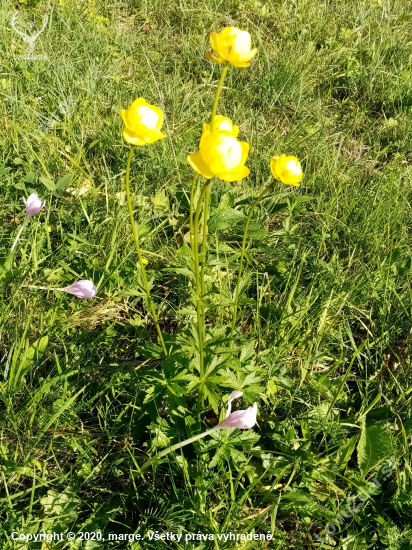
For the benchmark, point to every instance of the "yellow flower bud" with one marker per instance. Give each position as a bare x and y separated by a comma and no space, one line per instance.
233,45
49,228
286,169
220,153
144,261
143,123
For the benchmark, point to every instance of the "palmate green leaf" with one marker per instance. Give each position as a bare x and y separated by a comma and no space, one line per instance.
58,504
374,445
210,393
226,442
160,202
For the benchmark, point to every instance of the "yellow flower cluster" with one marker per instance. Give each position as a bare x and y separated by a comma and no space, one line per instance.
220,153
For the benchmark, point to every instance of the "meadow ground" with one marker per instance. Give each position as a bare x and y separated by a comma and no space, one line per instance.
322,342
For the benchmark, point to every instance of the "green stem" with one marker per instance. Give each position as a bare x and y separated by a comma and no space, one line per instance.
204,245
177,446
239,276
218,92
198,286
192,196
136,240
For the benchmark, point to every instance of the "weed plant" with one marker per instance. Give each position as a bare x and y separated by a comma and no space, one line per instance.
322,337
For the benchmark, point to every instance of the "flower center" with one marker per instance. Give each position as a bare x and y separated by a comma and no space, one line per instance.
146,116
242,42
293,168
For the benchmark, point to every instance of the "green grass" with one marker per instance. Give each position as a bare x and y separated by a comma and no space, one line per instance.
324,327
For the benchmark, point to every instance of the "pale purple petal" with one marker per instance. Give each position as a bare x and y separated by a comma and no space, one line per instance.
82,289
234,395
240,419
33,205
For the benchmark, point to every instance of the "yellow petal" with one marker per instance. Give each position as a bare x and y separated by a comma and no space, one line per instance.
239,65
245,151
155,137
159,113
296,183
236,174
222,123
196,161
214,40
129,115
228,33
212,57
137,102
132,137
275,162
244,57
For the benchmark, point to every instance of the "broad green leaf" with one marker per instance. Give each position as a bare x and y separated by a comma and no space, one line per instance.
61,185
375,444
180,271
48,183
29,177
224,219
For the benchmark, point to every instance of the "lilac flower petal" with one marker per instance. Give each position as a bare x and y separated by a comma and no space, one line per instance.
234,395
240,419
33,205
82,289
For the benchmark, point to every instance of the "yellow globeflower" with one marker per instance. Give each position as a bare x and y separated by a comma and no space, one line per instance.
143,123
286,169
233,45
220,153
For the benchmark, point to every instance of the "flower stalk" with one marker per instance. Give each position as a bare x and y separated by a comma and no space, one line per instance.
23,226
136,240
177,446
217,95
200,323
192,196
204,245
